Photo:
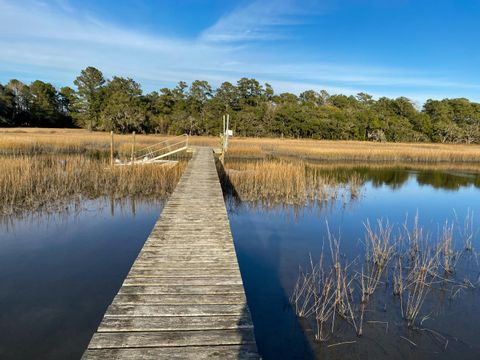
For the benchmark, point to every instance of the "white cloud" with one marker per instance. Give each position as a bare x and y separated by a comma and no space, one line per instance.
261,20
55,41
56,37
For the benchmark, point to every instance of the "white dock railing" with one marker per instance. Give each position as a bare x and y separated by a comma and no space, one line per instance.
156,152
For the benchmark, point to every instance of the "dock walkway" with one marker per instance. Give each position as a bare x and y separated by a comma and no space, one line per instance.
183,297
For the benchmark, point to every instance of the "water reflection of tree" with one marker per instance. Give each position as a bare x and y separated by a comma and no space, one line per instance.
293,187
447,181
397,177
392,177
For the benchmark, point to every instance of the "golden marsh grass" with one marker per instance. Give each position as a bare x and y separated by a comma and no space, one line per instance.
34,140
26,141
354,150
280,181
43,181
28,179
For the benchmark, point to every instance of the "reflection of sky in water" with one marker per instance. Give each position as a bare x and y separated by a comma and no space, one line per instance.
272,244
59,272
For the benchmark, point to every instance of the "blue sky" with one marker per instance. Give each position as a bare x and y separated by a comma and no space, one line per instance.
416,48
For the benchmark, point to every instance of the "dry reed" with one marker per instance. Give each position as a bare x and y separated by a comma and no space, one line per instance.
419,281
380,249
466,231
448,255
283,182
33,140
354,150
328,295
418,262
33,182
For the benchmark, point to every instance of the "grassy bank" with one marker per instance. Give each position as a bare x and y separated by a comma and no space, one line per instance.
319,150
48,181
32,140
29,141
41,167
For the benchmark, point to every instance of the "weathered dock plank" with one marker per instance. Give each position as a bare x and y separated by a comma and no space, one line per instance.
181,289
174,323
183,297
139,339
144,271
230,352
209,280
179,299
174,310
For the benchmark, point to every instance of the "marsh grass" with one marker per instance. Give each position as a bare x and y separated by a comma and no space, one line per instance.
354,151
43,181
34,140
379,249
326,294
271,182
407,256
421,275
277,182
466,231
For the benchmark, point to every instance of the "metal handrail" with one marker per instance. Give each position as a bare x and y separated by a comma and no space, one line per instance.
160,142
165,147
151,153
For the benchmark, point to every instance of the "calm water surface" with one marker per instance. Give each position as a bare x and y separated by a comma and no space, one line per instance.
59,272
272,243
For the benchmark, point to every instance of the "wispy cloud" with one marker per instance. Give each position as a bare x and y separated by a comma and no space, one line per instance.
61,40
260,20
56,37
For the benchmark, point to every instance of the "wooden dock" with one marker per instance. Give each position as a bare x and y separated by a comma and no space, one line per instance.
183,297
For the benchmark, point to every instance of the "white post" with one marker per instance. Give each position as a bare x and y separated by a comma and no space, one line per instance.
111,148
226,132
223,133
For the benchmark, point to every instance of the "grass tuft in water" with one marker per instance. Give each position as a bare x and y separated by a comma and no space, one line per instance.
335,290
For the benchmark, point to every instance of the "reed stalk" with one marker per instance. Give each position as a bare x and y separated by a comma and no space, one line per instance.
40,182
419,265
379,251
271,182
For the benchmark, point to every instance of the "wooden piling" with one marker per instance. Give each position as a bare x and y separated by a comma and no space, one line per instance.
111,148
133,149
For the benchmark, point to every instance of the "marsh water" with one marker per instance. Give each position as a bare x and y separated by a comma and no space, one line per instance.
272,242
59,271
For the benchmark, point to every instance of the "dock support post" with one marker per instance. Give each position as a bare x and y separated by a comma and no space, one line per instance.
227,132
133,150
111,148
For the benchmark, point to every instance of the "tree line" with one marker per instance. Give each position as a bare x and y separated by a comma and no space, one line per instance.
119,104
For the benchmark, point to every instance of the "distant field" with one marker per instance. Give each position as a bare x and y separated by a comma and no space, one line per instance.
355,150
43,140
34,140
